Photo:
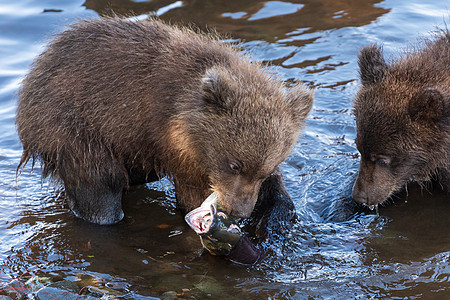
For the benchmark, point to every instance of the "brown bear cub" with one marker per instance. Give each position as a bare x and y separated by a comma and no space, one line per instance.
403,120
111,103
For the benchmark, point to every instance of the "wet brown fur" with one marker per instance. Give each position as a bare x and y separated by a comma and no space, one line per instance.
403,119
113,102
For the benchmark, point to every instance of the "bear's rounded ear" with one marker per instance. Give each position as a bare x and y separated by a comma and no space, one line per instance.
429,105
214,88
300,101
372,67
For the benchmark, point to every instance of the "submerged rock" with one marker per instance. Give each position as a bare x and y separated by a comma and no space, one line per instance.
170,295
61,290
208,285
14,290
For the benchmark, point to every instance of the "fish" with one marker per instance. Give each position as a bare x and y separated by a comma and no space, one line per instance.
218,232
220,235
201,218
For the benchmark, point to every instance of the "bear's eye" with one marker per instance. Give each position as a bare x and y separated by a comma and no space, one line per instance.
235,168
384,162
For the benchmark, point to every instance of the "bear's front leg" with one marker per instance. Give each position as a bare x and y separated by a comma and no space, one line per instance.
274,210
96,201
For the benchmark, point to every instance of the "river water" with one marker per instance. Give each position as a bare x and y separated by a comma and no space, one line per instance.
330,253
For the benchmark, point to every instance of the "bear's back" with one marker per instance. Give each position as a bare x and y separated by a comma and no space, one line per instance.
101,75
429,65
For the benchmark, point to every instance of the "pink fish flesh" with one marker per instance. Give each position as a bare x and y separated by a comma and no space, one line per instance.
200,219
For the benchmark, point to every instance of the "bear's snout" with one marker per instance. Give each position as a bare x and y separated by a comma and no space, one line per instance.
373,188
240,198
365,194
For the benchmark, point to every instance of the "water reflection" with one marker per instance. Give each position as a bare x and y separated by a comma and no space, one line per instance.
255,20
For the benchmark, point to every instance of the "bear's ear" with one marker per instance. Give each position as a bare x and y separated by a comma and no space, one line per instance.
214,88
429,106
300,100
372,67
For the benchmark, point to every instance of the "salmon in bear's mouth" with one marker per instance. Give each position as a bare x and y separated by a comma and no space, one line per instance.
219,234
209,221
201,218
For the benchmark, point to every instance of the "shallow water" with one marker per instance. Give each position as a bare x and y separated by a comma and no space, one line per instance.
329,254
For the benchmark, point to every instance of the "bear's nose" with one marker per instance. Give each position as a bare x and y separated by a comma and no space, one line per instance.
362,200
359,195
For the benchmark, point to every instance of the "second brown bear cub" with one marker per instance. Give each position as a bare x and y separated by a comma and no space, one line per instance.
113,102
403,120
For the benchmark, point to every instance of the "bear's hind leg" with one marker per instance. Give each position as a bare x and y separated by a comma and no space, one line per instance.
95,194
93,180
96,202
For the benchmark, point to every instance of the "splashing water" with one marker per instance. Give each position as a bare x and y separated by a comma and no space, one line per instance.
374,207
